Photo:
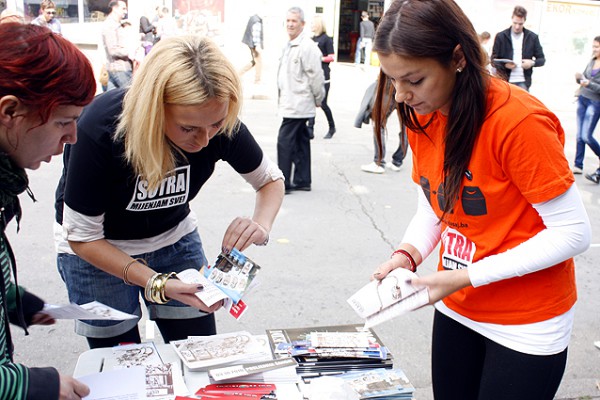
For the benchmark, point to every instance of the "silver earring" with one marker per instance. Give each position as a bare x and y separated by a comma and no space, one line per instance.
459,70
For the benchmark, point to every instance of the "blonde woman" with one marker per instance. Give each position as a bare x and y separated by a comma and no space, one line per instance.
325,43
123,201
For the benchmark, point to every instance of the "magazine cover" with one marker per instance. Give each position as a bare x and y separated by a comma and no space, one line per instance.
379,301
278,338
232,273
379,383
200,352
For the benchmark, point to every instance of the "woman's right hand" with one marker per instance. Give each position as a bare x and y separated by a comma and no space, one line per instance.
185,293
71,389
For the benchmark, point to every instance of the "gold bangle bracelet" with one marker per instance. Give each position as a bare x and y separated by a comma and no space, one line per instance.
156,288
148,288
128,265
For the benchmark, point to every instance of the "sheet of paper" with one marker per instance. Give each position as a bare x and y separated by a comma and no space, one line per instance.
93,310
210,294
123,384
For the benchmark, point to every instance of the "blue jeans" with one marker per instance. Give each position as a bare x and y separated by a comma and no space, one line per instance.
367,48
86,283
588,113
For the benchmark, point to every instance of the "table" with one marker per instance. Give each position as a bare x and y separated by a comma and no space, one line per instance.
91,362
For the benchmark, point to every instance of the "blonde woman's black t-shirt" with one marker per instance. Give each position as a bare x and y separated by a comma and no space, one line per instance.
97,180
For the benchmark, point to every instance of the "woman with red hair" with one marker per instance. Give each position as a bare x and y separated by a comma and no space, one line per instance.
44,83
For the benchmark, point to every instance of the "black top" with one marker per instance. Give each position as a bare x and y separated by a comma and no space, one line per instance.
325,44
96,179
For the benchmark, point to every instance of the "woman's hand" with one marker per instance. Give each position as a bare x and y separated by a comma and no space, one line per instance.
185,293
71,389
443,283
242,232
41,318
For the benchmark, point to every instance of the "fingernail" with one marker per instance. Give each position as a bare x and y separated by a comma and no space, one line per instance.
200,287
377,273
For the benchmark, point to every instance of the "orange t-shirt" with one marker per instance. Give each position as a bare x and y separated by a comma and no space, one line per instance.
518,159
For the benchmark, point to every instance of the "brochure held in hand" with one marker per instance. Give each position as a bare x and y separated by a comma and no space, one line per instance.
232,276
379,301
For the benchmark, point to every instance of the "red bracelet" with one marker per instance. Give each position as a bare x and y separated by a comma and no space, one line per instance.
411,260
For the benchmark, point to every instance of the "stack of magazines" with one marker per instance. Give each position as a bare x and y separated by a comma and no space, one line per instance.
330,350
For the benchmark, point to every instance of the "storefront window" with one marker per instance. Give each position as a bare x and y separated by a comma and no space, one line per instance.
67,11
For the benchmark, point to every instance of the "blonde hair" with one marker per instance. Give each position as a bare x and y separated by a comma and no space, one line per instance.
319,25
182,70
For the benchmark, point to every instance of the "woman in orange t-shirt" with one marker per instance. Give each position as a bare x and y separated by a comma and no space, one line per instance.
496,193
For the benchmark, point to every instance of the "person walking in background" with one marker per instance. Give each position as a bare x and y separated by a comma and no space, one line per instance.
365,40
379,144
147,33
325,44
47,17
301,85
254,39
495,191
517,50
124,223
36,121
119,65
588,111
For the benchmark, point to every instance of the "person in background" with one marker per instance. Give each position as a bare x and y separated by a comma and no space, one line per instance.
147,33
365,40
496,193
124,223
35,123
11,15
47,17
300,81
325,44
116,46
588,111
484,40
254,39
517,50
379,144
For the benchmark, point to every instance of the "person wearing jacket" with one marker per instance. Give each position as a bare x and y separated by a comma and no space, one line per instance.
588,111
254,39
36,120
522,47
301,85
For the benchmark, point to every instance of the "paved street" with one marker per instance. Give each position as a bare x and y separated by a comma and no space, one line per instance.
324,245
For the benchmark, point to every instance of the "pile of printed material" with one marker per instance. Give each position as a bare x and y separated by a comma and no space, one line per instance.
330,350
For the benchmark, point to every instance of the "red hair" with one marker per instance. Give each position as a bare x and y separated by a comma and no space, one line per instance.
43,70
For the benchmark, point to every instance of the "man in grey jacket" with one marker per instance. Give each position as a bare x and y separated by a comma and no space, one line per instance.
300,81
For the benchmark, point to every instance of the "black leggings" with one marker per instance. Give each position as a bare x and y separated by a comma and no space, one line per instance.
468,366
170,329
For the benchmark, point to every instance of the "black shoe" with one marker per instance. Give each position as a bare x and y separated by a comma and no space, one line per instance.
305,188
595,177
288,190
329,134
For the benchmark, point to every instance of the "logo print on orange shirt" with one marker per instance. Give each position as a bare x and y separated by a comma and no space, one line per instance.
458,250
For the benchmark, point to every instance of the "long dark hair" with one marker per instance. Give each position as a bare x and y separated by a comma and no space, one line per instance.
433,29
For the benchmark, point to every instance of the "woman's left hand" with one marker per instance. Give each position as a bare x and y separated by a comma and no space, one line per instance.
242,232
443,283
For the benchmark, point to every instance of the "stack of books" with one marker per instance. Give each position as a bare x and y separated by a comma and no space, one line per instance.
330,350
